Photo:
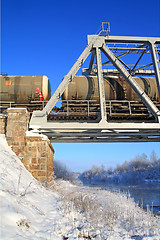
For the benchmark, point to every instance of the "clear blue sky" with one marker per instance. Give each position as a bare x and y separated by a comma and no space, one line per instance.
45,37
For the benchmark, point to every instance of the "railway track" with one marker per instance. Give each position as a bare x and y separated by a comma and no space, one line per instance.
89,110
80,110
31,106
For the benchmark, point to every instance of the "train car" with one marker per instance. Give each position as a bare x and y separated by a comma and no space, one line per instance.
23,89
116,88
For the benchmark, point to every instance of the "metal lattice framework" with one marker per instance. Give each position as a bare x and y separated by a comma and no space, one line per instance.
113,48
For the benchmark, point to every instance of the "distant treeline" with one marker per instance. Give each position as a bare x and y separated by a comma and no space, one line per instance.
137,170
62,172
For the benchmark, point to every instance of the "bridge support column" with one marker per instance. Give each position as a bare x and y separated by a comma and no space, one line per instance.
38,158
17,125
35,152
2,124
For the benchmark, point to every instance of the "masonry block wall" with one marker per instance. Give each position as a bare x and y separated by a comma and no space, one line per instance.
38,158
36,152
2,124
17,125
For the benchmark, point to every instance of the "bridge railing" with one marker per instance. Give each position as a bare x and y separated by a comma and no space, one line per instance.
79,107
31,105
91,109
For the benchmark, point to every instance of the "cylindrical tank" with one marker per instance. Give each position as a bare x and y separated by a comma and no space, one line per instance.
116,88
22,89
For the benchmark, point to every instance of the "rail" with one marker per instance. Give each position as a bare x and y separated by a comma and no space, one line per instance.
32,105
91,108
77,105
87,108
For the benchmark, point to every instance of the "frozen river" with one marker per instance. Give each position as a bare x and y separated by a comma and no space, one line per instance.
143,194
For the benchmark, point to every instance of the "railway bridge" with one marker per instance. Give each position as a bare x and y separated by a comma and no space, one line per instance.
107,120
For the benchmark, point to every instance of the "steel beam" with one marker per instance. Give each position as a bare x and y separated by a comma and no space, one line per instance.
116,72
102,131
155,64
139,60
103,140
125,39
92,60
145,66
124,63
129,50
67,79
111,126
140,92
101,86
102,135
108,135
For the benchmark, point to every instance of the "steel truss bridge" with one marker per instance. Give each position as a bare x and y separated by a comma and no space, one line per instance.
104,130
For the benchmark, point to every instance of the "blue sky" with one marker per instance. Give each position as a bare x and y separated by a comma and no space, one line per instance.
45,37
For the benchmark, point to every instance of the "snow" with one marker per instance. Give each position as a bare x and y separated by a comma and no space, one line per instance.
25,202
31,211
18,108
36,133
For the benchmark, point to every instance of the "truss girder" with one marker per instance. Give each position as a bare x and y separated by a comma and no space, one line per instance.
103,131
155,64
100,132
140,92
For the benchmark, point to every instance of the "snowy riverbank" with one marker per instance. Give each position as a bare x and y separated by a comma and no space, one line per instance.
30,211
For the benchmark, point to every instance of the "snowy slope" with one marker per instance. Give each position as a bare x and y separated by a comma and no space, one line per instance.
30,211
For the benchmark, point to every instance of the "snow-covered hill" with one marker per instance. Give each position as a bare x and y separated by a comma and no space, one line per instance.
30,211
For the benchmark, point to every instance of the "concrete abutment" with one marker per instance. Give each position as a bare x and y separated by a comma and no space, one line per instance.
35,151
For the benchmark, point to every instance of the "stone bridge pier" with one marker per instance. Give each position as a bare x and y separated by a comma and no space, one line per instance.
34,150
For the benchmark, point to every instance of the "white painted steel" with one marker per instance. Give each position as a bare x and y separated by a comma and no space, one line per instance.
140,92
103,131
155,64
101,86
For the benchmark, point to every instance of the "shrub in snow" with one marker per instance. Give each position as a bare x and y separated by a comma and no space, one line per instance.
61,171
23,223
139,163
105,213
95,175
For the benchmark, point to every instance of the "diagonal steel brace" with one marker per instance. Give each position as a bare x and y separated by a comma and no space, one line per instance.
67,79
134,85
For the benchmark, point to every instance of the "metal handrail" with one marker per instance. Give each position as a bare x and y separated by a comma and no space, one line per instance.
88,108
